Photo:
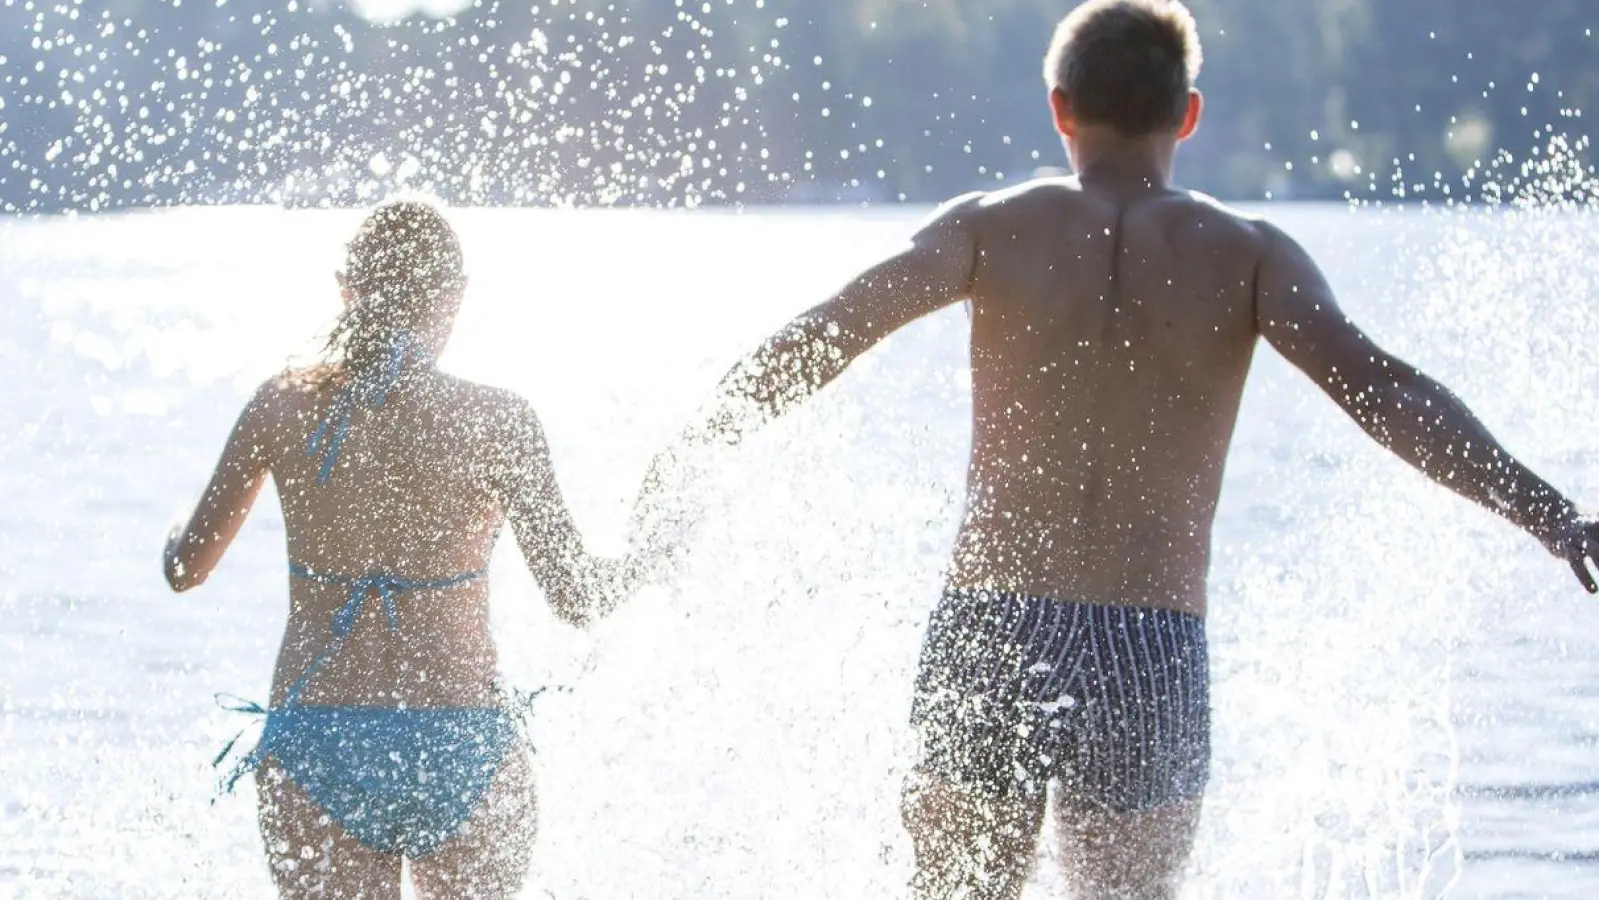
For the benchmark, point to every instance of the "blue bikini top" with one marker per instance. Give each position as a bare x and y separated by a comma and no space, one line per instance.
367,389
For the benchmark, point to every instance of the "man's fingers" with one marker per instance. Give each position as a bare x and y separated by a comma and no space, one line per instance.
1579,565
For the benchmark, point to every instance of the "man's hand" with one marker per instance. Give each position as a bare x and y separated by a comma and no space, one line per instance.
669,507
172,564
1577,542
1412,415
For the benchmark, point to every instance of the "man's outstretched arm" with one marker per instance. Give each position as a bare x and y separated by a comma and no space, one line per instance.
1410,414
932,272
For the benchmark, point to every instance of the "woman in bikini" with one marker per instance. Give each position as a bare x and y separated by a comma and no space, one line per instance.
387,737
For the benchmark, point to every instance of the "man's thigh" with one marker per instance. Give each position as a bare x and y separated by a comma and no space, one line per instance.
1137,855
968,842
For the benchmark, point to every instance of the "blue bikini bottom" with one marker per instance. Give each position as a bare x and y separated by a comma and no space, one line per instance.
401,781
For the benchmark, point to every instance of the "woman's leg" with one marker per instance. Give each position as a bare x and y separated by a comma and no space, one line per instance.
490,856
310,855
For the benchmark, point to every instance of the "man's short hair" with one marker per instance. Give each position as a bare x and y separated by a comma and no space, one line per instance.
1126,63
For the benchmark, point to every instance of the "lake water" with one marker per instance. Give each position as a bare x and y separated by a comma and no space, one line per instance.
1407,690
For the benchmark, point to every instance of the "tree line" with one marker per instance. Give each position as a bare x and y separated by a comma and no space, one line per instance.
670,102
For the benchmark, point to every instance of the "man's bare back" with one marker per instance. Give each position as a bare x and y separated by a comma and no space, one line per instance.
1111,335
1113,324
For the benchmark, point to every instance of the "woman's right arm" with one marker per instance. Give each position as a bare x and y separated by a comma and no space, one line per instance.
194,549
579,588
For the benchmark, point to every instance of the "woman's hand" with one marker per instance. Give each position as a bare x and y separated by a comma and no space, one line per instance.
195,547
603,583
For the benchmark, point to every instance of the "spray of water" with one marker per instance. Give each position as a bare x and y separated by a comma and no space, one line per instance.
1349,622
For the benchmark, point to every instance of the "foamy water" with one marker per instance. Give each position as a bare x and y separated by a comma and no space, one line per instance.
1407,691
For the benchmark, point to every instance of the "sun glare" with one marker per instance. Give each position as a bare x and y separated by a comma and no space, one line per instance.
385,11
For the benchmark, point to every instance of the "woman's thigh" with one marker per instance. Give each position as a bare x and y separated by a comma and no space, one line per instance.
489,857
310,855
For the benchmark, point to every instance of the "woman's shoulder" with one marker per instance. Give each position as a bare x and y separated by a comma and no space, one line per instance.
298,389
480,397
497,424
295,387
304,380
281,402
292,397
488,403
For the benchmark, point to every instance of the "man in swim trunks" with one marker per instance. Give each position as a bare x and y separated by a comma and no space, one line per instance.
1113,319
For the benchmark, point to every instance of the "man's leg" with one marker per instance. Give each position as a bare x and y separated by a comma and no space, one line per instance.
975,804
1129,804
1125,856
968,845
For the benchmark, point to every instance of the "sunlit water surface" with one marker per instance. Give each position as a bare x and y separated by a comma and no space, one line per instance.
1406,690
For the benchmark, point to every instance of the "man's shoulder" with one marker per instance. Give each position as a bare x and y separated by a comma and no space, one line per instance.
1029,193
1209,208
1213,225
1007,206
1036,190
1068,191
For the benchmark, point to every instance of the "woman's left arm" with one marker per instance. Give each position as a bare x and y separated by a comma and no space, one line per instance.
193,550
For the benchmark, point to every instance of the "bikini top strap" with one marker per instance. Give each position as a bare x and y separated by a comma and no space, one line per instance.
358,589
367,389
328,438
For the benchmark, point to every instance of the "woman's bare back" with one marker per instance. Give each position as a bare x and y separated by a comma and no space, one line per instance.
417,492
386,735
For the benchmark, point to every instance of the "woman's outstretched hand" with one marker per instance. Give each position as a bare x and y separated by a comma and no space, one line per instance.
603,584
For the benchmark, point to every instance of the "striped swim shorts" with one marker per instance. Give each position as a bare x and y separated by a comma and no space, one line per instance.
1113,701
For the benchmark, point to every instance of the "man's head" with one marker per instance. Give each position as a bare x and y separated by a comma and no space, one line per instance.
1126,65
